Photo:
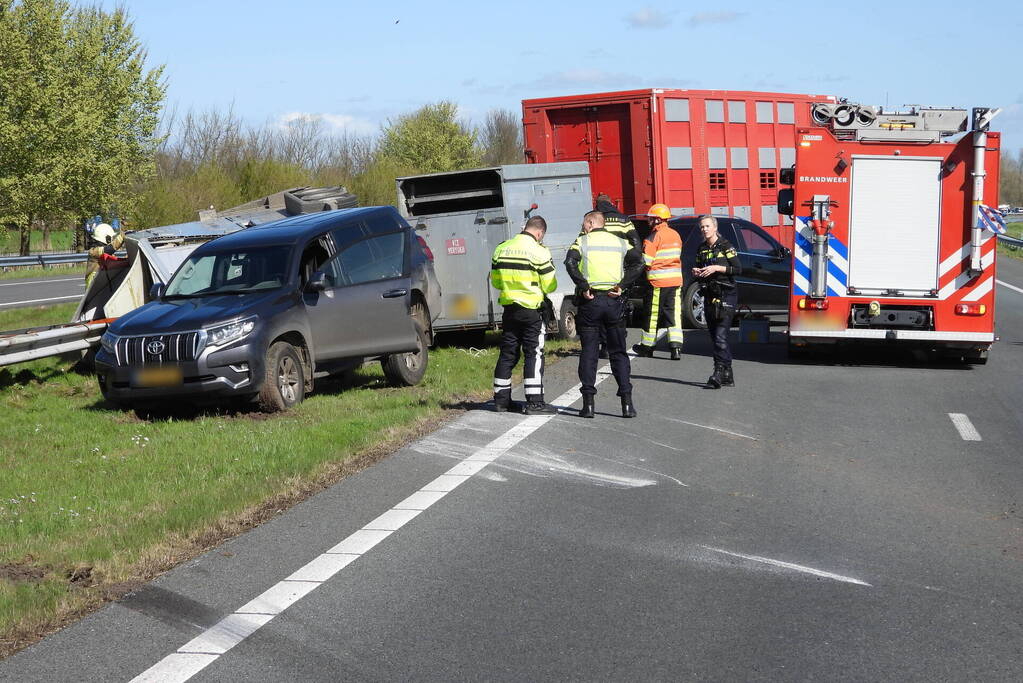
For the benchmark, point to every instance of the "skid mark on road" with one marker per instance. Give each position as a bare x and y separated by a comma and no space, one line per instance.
788,566
716,429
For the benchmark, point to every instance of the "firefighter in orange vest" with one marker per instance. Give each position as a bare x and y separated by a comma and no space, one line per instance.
662,252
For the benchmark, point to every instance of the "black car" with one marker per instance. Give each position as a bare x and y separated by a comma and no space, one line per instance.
766,267
260,312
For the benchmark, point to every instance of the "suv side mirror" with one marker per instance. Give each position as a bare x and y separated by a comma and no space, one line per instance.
156,291
785,199
317,282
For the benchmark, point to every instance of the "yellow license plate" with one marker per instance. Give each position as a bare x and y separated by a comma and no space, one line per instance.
159,377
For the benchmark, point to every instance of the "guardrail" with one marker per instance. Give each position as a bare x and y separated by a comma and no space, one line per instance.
1011,241
22,345
47,259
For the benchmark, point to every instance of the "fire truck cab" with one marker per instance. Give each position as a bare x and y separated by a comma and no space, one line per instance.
888,247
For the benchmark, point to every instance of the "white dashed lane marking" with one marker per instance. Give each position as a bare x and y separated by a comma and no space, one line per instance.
1012,287
965,427
205,648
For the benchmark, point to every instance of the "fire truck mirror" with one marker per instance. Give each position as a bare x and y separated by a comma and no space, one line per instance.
787,176
785,200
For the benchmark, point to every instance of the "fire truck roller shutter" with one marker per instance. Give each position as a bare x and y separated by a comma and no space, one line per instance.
895,223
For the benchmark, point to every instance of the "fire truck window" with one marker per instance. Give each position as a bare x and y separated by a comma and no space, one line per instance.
753,241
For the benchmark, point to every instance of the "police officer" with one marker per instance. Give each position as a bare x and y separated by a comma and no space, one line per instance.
602,266
522,270
616,222
717,264
662,252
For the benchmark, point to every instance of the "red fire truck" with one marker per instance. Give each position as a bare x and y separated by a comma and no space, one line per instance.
889,245
698,151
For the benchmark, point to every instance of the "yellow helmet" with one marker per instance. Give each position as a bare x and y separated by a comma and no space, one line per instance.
659,211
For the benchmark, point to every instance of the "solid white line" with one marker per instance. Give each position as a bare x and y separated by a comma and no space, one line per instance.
39,301
716,429
793,567
203,650
965,427
42,282
1012,287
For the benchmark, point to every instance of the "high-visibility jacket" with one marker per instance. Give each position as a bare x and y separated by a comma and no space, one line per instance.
662,253
601,257
522,270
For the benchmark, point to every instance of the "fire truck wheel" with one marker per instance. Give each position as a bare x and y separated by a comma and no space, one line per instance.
692,308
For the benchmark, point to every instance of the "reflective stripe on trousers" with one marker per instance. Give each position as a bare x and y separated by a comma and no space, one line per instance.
666,306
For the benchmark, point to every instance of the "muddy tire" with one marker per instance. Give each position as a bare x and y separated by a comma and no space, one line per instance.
284,380
567,328
408,369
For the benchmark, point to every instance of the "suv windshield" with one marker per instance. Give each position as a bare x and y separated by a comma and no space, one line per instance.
231,272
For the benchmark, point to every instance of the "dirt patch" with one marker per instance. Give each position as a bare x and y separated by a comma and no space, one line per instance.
23,571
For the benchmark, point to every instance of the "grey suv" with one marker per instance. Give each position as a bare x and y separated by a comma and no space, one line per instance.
261,312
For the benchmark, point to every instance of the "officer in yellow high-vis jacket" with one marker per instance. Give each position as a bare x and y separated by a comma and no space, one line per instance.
522,270
602,265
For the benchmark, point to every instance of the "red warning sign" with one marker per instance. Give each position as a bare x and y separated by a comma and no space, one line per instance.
456,246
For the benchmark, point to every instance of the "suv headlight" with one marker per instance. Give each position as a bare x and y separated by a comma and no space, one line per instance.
108,341
229,333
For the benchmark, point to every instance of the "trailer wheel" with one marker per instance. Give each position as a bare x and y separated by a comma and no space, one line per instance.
566,322
284,383
408,369
692,308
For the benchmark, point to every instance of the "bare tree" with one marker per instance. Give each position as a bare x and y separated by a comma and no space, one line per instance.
501,138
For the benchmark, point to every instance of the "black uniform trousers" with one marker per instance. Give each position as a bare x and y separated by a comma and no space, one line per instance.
522,328
719,322
606,313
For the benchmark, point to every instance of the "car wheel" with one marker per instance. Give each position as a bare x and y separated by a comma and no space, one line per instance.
692,308
422,315
284,380
408,369
566,322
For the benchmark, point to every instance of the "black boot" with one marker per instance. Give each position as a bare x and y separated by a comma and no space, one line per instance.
587,409
726,377
628,410
502,402
714,381
538,408
676,353
643,351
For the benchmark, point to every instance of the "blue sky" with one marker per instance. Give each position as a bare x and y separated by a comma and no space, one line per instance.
356,64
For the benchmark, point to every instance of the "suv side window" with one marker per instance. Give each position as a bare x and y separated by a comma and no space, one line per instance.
383,222
753,241
375,258
350,232
315,255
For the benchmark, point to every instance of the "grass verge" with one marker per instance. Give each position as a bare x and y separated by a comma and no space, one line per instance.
1014,229
94,501
72,270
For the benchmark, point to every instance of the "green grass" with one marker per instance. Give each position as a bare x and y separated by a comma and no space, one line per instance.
59,241
1015,229
88,489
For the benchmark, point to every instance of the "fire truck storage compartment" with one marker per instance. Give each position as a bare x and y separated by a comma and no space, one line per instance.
888,317
894,225
464,215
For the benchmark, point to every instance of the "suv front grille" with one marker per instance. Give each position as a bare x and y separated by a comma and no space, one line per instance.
183,346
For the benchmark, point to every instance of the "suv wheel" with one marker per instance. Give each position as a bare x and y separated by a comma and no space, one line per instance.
284,382
408,369
692,308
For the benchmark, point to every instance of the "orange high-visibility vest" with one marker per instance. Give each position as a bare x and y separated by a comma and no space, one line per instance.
662,253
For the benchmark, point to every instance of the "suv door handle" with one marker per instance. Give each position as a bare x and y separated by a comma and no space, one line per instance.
394,293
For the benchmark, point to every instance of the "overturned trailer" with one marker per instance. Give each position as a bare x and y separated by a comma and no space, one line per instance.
151,257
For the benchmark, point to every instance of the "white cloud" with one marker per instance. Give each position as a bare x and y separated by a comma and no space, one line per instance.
335,123
649,18
723,17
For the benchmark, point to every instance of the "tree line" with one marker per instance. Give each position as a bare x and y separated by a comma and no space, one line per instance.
1010,178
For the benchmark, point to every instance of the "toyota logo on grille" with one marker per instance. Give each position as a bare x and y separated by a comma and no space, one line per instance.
155,347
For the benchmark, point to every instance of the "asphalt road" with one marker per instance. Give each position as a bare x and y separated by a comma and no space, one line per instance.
42,291
823,520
